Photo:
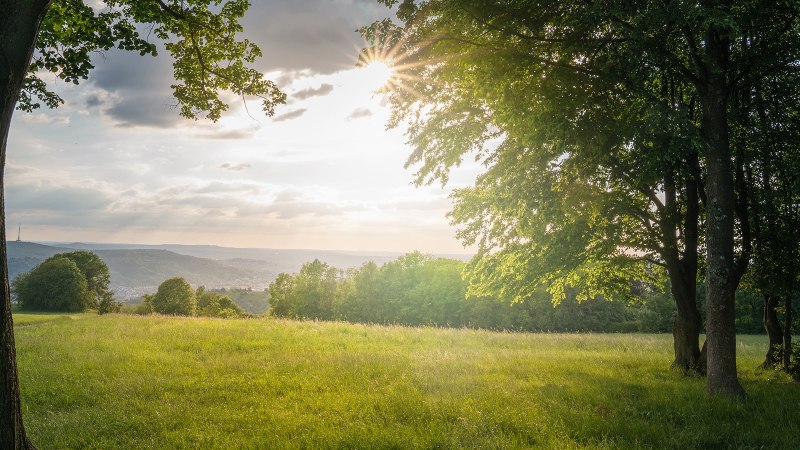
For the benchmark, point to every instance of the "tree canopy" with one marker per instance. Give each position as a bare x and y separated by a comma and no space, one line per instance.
174,297
57,284
606,131
95,271
201,38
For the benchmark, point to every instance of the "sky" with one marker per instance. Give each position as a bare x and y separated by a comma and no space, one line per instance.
117,164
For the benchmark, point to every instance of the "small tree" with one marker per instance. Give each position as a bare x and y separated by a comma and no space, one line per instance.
175,297
54,285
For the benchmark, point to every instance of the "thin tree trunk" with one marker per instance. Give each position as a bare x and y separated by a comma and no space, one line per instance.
19,27
787,334
722,276
683,272
773,326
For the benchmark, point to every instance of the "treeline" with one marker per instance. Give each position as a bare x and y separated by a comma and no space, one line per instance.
175,297
79,281
418,289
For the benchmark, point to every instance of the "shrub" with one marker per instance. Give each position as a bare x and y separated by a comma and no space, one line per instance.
108,305
211,304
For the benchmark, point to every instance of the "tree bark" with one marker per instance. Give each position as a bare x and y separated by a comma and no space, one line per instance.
722,277
787,334
686,339
682,270
774,331
19,27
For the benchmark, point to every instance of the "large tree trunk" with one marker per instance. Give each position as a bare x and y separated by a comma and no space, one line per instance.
774,331
722,277
19,27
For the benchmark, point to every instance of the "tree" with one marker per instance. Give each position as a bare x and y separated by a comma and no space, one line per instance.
96,273
208,59
212,304
603,125
769,139
56,284
282,296
174,297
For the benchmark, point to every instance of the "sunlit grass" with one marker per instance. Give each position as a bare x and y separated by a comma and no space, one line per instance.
156,382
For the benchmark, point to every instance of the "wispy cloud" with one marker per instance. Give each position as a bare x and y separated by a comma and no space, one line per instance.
324,89
359,113
235,167
290,115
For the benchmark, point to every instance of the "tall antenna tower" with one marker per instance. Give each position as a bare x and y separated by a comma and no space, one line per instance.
19,233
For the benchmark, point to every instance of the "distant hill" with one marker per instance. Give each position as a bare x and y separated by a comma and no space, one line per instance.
279,257
135,272
139,269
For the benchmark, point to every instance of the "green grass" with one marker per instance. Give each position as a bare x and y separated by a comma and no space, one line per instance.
156,382
24,319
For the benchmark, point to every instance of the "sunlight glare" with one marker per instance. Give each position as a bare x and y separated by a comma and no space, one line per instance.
376,74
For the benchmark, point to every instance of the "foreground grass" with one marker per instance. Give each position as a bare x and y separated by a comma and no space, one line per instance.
156,382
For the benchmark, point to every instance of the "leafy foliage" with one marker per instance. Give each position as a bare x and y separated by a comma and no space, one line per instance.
54,285
580,139
174,297
97,276
208,59
212,304
418,289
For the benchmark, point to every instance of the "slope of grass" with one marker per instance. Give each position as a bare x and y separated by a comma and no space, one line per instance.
156,382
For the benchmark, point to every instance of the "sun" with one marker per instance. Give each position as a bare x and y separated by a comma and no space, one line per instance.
376,74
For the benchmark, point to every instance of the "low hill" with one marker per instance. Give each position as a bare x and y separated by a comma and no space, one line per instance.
24,256
135,272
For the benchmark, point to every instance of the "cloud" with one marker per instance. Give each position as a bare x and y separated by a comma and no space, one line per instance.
328,42
291,204
360,113
217,187
145,110
324,89
284,78
140,87
235,167
243,133
46,119
289,115
93,100
56,198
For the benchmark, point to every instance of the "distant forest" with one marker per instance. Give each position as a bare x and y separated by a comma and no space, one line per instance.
419,289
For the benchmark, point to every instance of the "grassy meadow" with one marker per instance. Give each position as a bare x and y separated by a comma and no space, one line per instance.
119,381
